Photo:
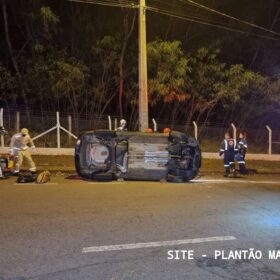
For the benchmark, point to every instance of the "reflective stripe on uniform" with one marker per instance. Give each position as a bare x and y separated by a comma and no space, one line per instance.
235,145
226,145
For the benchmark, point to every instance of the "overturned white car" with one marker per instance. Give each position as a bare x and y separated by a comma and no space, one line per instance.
107,155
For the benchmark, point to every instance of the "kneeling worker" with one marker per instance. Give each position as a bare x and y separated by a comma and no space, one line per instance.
20,149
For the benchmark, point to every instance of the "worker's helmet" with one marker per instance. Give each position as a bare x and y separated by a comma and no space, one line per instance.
166,130
149,130
123,122
24,131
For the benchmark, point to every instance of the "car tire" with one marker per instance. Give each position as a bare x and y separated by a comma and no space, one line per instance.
77,164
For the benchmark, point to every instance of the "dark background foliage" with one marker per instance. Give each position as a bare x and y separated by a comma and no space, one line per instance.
82,59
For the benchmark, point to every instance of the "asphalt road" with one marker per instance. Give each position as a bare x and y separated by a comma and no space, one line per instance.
47,230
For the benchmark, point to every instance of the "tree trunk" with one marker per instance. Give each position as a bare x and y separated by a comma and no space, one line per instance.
15,64
121,67
107,104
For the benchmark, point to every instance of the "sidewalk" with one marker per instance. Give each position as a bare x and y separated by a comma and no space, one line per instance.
66,164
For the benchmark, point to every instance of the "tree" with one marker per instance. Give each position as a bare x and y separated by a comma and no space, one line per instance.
227,89
243,91
128,29
69,79
13,58
7,86
207,76
106,73
168,70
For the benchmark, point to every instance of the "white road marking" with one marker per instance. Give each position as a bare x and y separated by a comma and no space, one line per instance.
233,181
107,183
217,181
155,244
33,184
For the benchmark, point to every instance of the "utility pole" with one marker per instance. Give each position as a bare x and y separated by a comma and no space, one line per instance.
143,77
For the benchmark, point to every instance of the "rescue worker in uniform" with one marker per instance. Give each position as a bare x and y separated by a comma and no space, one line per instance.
229,149
122,126
20,149
242,149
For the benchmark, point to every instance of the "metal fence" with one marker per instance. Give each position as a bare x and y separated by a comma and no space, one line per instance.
59,130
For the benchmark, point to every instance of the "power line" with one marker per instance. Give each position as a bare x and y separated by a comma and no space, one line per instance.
120,3
183,17
190,11
230,17
193,12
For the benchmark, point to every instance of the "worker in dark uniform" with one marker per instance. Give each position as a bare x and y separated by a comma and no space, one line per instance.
242,149
229,149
